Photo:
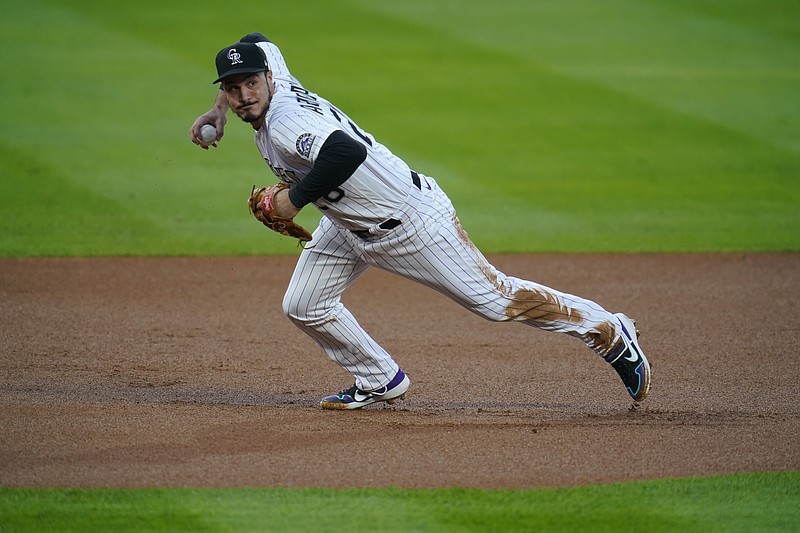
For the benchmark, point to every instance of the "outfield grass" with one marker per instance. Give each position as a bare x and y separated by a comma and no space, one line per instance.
747,502
636,125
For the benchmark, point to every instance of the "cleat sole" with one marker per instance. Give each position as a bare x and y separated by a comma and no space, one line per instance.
392,400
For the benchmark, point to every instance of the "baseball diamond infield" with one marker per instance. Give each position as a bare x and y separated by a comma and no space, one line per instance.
135,372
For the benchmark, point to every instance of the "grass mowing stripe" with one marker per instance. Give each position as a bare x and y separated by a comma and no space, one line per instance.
680,172
743,502
113,141
694,57
46,214
539,151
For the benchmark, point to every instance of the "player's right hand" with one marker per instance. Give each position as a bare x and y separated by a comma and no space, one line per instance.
213,117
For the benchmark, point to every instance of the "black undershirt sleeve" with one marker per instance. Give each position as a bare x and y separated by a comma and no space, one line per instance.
339,156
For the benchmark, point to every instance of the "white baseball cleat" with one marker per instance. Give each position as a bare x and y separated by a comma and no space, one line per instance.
355,398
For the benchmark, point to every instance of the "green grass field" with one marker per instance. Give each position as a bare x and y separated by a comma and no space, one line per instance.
748,502
629,126
566,126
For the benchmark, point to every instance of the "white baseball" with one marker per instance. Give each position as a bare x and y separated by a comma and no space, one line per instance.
208,134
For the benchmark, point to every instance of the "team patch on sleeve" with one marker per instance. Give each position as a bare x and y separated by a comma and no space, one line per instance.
304,144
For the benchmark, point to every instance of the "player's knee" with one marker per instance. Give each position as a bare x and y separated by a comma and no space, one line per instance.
292,309
301,311
490,312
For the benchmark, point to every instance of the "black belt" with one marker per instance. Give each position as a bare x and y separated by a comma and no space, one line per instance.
392,222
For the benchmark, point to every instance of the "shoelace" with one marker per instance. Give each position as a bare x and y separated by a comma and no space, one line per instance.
350,391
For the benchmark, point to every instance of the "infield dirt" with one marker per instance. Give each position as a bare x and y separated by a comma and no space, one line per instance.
136,372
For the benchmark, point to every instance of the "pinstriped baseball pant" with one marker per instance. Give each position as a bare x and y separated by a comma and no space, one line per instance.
431,248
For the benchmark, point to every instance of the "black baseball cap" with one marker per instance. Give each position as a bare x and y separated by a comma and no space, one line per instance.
240,58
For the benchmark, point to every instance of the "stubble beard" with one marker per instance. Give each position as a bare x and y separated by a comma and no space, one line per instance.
251,116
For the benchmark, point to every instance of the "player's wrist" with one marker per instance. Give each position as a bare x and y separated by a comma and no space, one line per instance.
297,201
284,205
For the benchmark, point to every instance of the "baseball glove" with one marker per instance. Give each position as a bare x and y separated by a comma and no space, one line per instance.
262,205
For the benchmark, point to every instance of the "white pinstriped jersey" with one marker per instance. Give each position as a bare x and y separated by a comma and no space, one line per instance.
425,243
298,123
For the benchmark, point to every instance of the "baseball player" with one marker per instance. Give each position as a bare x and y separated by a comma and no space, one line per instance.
378,212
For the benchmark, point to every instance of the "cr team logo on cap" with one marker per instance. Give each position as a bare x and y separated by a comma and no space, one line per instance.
234,56
240,58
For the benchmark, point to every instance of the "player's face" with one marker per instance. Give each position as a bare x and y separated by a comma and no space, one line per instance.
249,96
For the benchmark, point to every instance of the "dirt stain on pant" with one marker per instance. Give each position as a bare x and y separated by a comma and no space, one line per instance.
541,306
545,307
526,304
602,340
481,261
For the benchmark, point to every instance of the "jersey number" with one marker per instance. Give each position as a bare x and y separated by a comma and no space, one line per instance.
337,194
361,135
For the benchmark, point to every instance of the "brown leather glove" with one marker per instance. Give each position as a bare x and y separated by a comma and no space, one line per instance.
262,205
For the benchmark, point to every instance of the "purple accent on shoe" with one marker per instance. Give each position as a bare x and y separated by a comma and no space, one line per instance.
396,380
615,352
625,330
